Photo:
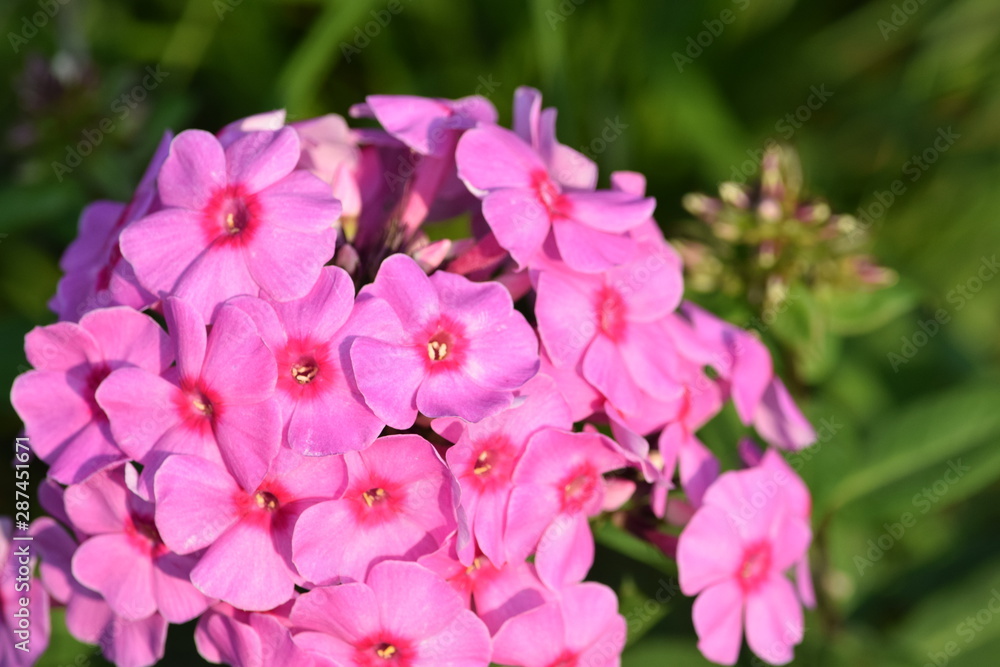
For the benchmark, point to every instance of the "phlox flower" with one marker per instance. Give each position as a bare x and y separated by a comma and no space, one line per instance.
523,204
124,558
248,639
15,555
68,428
399,504
402,614
485,454
734,554
609,326
537,127
90,619
461,349
236,220
97,275
310,338
558,483
246,531
217,403
582,627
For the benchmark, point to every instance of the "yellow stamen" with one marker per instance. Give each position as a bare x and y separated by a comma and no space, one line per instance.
437,350
371,496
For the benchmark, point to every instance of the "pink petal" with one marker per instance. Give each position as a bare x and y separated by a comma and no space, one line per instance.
60,347
176,598
566,315
591,250
190,516
113,566
187,328
249,437
162,246
140,409
258,159
779,421
610,210
492,157
129,337
403,284
536,637
286,262
219,573
217,274
774,621
193,171
519,221
566,551
388,376
412,601
718,620
238,367
100,504
709,551
450,393
348,611
602,366
592,620
325,309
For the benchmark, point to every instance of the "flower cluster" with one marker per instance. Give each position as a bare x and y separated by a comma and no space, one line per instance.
278,402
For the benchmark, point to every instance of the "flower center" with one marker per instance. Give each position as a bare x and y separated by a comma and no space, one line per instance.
146,528
549,194
756,564
266,500
385,651
202,404
305,371
477,563
579,490
372,496
483,463
440,345
611,313
237,215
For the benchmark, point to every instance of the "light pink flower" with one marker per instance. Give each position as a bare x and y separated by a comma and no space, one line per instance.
569,168
22,600
124,559
558,483
89,618
249,639
402,615
311,339
199,505
461,351
97,275
523,204
583,627
217,402
734,554
239,220
399,504
486,453
68,428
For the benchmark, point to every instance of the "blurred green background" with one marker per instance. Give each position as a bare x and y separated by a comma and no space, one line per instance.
898,73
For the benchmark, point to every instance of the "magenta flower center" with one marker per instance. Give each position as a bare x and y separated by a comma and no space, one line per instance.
305,370
232,214
611,313
549,194
756,564
484,462
266,500
93,381
201,404
579,490
565,660
381,650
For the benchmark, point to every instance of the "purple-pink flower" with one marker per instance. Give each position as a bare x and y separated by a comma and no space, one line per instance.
235,220
460,351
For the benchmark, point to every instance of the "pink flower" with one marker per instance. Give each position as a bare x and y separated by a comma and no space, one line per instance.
89,618
22,645
239,220
583,627
124,558
558,483
310,339
486,453
68,428
218,402
402,615
609,326
330,151
399,504
249,639
97,275
734,554
498,593
523,204
199,505
570,168
461,351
